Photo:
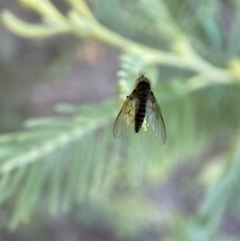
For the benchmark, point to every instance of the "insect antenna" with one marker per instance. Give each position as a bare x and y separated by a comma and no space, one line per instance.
141,74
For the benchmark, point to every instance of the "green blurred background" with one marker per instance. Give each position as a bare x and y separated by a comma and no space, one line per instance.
62,174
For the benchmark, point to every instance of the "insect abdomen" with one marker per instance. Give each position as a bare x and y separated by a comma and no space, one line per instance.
140,115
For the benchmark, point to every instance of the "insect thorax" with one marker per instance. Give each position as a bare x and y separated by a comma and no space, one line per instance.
143,86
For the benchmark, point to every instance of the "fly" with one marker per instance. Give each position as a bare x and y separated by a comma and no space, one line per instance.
141,104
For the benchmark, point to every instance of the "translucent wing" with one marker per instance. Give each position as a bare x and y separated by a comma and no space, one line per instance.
155,120
125,117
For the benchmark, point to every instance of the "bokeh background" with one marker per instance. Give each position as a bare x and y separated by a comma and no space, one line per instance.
63,67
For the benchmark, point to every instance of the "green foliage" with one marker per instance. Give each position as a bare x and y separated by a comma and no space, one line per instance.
41,158
194,67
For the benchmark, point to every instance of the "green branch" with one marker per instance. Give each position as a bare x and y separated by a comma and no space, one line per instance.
81,22
218,197
28,30
51,142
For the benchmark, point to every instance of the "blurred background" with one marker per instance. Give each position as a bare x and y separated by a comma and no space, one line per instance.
62,174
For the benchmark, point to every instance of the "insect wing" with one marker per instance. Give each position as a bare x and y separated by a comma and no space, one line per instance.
125,117
155,120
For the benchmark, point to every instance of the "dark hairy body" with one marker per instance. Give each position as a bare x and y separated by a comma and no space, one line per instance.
142,93
141,104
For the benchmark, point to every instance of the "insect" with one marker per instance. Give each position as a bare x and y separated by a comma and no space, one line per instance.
141,104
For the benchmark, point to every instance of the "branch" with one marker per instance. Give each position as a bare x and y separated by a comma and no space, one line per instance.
81,22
